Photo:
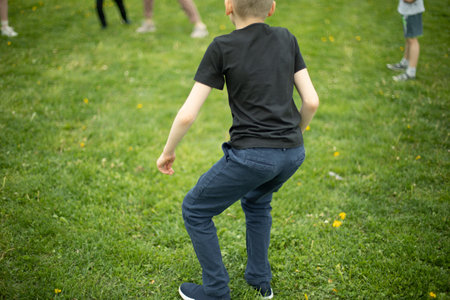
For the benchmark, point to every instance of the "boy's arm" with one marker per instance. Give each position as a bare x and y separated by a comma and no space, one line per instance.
183,121
310,99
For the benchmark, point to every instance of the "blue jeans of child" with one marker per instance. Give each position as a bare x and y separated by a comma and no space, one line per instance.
251,175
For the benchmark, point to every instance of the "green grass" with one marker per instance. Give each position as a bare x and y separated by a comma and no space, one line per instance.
84,210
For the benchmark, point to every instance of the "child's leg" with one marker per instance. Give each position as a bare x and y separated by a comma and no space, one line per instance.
100,13
257,208
148,9
191,10
413,50
4,11
122,10
230,179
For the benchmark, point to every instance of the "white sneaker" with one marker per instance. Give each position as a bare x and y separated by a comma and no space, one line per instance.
9,31
146,27
403,77
199,32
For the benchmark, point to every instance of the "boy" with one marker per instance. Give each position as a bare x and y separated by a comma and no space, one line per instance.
261,64
411,11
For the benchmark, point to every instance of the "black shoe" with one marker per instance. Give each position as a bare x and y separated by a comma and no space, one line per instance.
192,291
264,289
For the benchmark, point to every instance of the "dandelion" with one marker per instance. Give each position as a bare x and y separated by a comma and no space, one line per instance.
331,38
432,295
222,27
335,290
139,106
82,144
86,100
335,154
324,39
401,48
342,215
408,126
358,38
57,291
130,148
299,183
418,157
34,8
308,128
337,223
306,297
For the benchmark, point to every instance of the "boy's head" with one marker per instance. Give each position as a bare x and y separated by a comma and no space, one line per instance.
252,8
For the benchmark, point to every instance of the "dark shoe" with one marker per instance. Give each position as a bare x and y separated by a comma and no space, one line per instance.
264,289
192,291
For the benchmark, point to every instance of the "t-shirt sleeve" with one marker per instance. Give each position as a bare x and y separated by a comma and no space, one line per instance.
299,62
209,71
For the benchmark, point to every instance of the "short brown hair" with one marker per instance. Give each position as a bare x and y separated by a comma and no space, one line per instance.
252,8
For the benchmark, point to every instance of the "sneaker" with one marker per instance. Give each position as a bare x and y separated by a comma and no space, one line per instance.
265,290
396,67
9,31
199,32
146,27
192,291
403,77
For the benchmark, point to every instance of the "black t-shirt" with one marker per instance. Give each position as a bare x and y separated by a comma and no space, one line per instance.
258,63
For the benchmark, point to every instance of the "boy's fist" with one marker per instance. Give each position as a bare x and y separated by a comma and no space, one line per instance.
164,164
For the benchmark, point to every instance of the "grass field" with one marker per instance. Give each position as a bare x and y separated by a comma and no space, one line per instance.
85,112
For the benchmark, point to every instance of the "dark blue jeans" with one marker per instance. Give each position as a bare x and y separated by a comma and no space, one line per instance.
251,175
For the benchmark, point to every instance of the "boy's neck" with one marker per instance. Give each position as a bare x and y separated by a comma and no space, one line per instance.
242,23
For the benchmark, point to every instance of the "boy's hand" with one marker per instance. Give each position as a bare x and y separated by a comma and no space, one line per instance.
164,164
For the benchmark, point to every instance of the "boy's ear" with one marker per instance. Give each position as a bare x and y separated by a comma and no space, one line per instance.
228,7
272,9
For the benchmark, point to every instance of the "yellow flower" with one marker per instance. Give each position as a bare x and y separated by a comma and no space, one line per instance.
401,48
331,38
86,100
130,148
9,43
337,223
308,128
336,154
335,290
306,297
139,106
34,8
358,38
57,291
82,145
324,39
342,215
222,27
152,282
418,157
432,295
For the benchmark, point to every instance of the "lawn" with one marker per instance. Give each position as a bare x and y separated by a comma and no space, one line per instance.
85,112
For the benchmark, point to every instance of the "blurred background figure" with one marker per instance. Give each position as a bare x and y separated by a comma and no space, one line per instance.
411,11
189,8
6,29
101,15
